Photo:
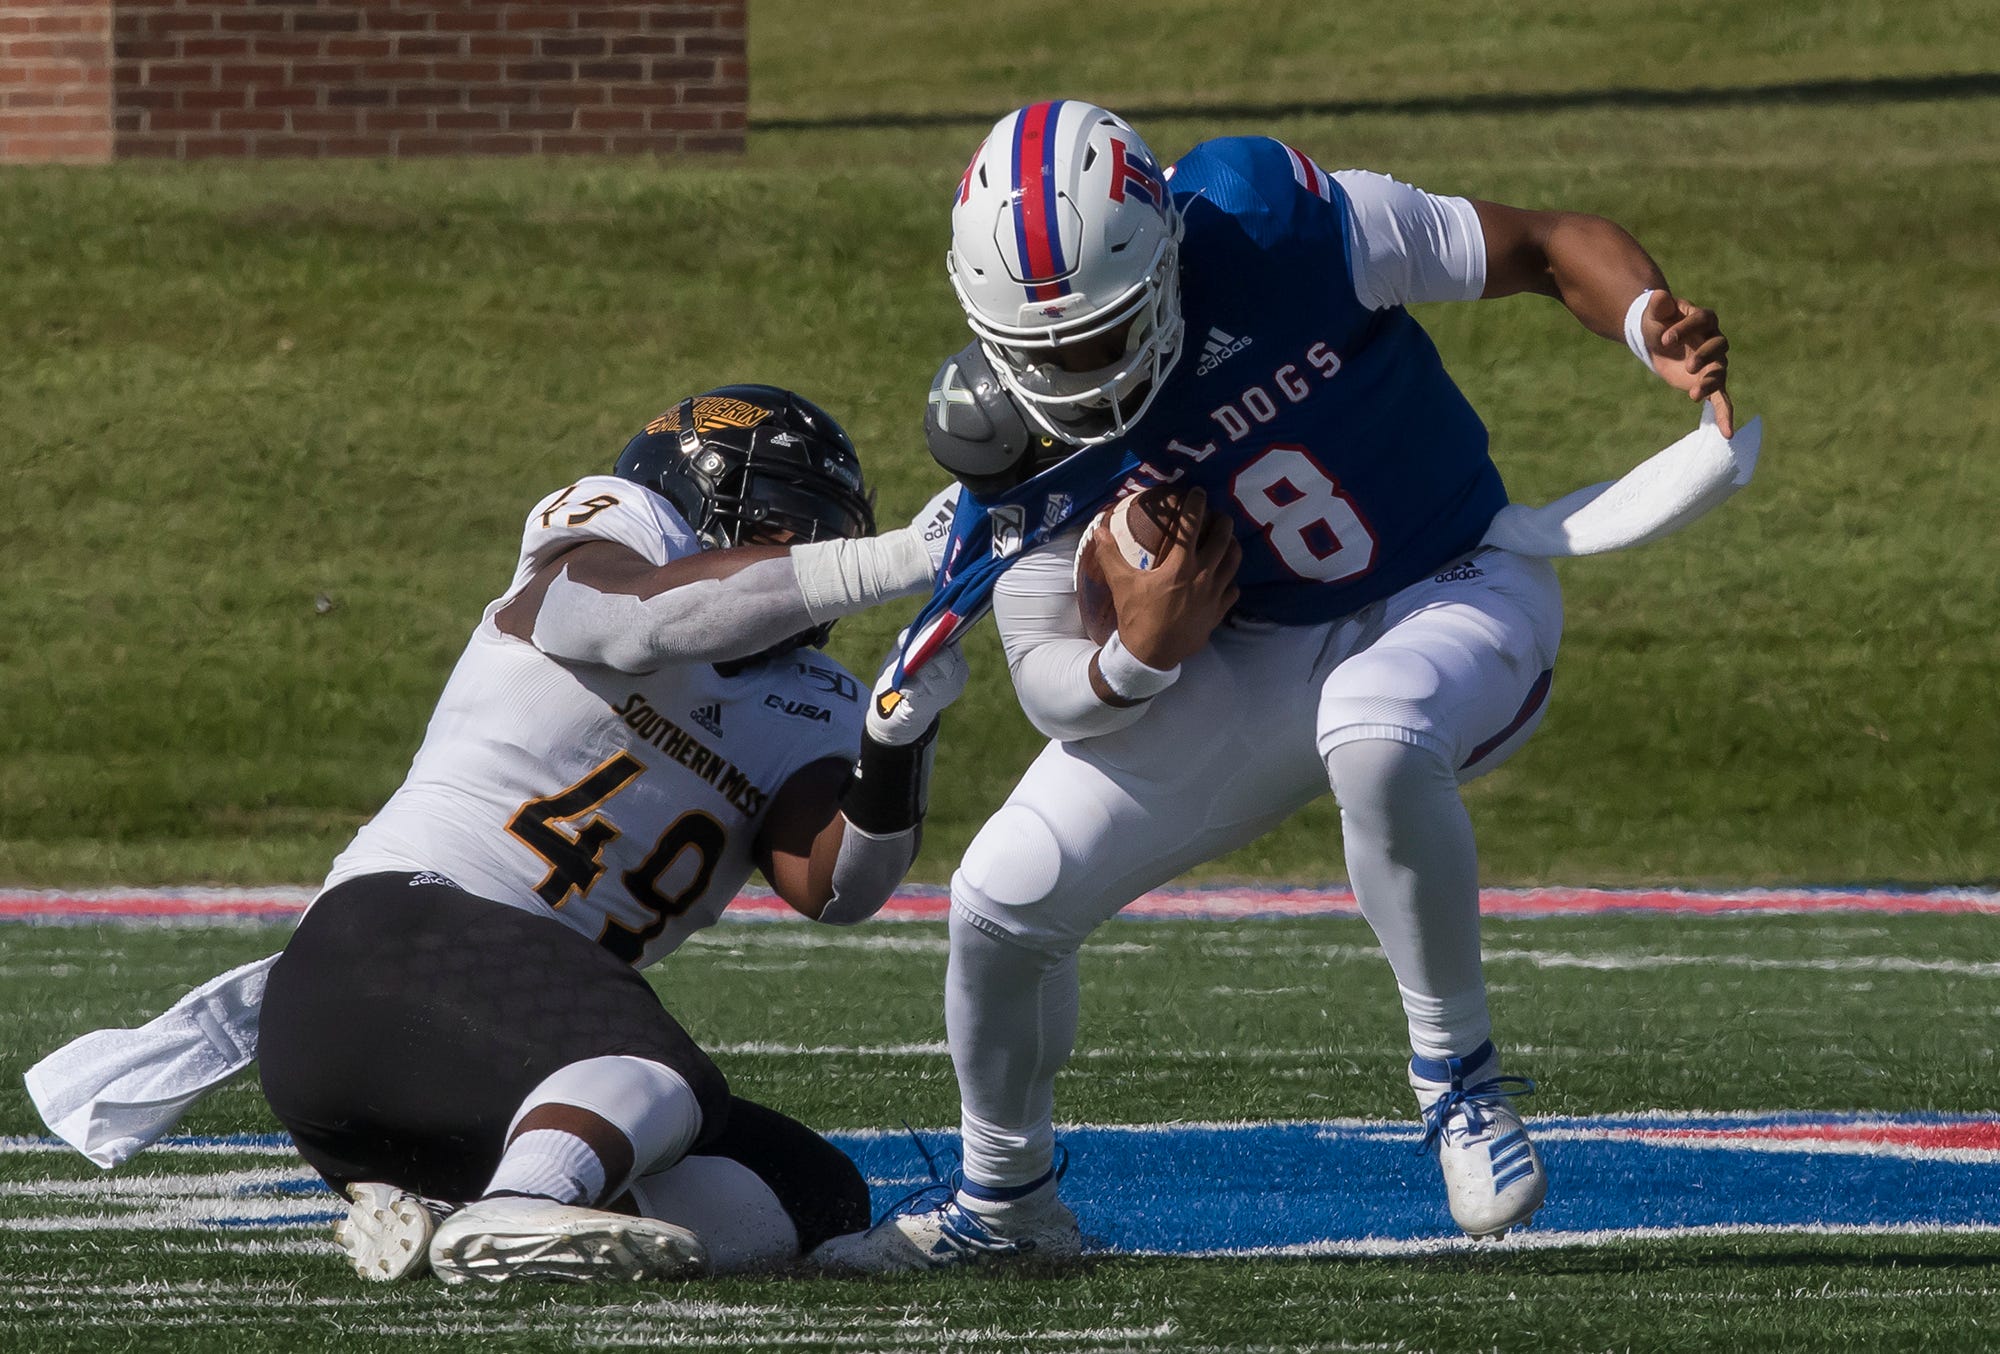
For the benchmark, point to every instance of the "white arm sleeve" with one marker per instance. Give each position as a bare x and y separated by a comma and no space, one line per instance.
866,872
1409,245
710,621
1048,653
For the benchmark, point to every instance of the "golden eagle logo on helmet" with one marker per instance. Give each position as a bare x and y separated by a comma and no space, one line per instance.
712,412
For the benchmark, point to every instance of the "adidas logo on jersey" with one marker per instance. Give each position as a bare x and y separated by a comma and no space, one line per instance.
1460,573
709,717
1218,348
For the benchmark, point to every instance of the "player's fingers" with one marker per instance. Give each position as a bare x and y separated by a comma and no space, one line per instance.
1110,560
1232,559
1212,526
1695,326
1187,525
1216,537
1715,350
1725,413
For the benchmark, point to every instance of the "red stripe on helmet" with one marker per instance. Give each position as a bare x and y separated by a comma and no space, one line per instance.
1036,215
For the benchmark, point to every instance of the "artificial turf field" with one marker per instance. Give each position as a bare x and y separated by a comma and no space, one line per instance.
269,430
205,1245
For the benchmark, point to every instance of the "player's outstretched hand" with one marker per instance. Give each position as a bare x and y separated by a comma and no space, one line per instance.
1690,352
1166,613
899,717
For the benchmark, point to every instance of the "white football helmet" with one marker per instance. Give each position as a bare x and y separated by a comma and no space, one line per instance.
1063,232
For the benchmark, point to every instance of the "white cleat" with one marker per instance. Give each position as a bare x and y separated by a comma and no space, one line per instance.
1492,1173
527,1238
941,1232
387,1231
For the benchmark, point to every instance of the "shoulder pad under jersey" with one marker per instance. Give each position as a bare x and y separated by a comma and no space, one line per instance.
975,430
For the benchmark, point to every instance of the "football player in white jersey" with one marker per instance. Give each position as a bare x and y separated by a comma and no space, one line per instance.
638,721
1236,325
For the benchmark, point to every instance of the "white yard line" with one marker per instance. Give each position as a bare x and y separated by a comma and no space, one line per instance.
1850,963
1539,1241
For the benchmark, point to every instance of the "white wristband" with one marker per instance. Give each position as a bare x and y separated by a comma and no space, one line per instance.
1635,329
1128,678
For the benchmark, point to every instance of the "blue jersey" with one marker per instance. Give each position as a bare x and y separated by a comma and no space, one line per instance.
1351,462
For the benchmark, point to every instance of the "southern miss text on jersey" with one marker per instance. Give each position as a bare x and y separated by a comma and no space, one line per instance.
623,804
1351,461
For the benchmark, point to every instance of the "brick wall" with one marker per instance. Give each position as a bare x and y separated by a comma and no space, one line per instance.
198,78
55,81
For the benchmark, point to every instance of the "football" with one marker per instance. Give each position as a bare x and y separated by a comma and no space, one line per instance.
1138,525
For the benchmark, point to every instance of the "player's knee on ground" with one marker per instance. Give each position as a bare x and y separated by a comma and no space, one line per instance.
766,1191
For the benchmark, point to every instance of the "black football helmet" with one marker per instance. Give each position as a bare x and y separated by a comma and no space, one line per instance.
753,463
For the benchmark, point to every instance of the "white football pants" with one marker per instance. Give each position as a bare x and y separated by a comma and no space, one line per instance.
1391,707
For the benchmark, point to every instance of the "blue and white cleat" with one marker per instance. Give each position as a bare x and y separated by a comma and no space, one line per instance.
948,1226
1492,1173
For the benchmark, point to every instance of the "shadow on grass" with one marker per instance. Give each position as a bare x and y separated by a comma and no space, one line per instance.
1869,89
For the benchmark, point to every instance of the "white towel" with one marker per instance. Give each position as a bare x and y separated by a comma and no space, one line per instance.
1659,496
112,1092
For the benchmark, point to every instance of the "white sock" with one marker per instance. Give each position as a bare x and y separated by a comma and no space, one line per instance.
1010,1015
590,1127
1415,872
551,1164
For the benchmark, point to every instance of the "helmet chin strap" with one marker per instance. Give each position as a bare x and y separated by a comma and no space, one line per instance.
1042,413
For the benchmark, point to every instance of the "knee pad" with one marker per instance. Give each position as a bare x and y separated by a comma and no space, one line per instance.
1012,867
1380,695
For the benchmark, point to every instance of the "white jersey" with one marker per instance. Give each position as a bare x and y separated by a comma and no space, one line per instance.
623,804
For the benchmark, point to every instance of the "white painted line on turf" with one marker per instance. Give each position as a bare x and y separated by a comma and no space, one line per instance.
768,1049
271,1146
199,1215
1531,1240
1618,961
136,1186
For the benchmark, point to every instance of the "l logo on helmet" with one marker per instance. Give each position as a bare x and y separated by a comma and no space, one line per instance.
1009,523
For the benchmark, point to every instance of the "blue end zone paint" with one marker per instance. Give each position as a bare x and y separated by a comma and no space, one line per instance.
1288,1185
1188,1190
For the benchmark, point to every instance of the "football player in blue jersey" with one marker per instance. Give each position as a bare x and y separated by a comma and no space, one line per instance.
1235,325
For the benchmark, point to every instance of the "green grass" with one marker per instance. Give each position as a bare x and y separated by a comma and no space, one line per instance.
228,391
1181,1022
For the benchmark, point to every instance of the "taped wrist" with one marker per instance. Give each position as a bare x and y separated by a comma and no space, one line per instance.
1127,676
840,577
890,786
